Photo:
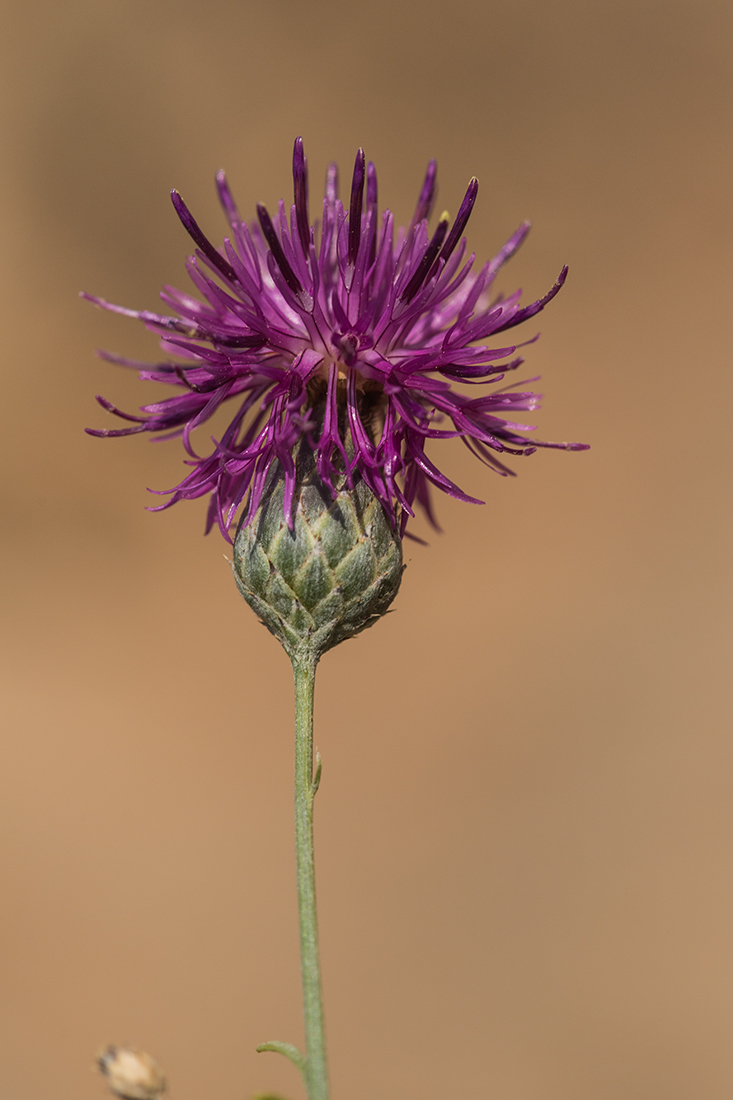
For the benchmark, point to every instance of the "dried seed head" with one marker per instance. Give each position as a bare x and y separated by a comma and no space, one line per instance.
131,1074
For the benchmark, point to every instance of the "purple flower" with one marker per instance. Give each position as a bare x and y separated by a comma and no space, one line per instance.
304,329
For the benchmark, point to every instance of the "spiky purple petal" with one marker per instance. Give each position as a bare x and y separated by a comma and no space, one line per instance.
371,327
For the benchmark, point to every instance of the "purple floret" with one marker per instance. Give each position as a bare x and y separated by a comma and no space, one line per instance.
349,322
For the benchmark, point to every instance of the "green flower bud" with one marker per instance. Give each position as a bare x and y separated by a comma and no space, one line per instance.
334,574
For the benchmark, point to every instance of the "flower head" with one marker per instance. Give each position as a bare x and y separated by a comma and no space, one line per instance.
349,334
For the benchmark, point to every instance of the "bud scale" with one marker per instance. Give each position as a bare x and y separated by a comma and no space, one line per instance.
331,575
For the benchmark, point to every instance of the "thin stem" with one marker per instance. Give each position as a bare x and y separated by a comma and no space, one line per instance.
306,785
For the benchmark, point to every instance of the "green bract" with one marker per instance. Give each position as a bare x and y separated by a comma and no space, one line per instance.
334,574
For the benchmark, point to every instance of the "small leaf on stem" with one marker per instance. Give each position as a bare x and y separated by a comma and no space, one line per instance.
317,777
287,1049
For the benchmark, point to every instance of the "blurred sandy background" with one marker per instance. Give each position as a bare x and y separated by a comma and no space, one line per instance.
524,829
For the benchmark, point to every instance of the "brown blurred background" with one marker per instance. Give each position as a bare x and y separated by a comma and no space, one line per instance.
524,829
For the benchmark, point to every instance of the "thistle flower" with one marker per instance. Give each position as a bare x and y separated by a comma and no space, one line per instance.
319,332
342,348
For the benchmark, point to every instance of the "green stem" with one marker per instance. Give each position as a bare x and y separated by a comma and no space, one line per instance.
306,785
